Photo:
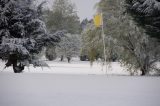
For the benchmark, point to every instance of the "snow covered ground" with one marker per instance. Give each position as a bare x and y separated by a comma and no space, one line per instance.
77,84
38,89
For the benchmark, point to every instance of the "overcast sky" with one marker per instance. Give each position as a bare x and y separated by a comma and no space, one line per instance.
85,8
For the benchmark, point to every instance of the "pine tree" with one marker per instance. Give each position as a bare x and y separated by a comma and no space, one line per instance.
22,34
147,14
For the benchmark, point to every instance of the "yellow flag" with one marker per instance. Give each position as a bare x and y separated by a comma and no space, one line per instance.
98,20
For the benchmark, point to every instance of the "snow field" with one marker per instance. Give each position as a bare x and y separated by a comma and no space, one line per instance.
77,84
38,89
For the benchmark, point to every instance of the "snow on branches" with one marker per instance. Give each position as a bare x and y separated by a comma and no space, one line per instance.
23,33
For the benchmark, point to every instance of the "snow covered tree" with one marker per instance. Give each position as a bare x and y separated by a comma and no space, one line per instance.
62,16
69,47
135,49
22,34
92,42
147,14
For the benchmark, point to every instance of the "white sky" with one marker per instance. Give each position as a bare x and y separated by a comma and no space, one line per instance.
85,8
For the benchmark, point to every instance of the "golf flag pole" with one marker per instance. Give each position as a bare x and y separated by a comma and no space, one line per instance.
98,22
103,36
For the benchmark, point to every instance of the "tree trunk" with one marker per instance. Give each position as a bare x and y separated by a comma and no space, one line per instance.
69,59
145,68
18,69
144,71
61,58
13,61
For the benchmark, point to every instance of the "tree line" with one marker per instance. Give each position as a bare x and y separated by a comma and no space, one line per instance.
131,28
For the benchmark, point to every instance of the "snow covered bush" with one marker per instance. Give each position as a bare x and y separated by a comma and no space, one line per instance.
23,34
